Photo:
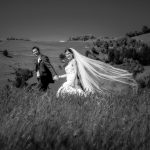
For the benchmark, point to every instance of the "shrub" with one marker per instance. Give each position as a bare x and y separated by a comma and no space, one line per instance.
95,51
98,43
93,54
63,60
143,79
143,54
111,55
21,77
133,66
87,53
62,56
5,53
145,29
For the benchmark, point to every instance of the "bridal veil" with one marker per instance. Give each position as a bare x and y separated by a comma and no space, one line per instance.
97,76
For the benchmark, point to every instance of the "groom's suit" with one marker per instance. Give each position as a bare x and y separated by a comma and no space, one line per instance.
46,72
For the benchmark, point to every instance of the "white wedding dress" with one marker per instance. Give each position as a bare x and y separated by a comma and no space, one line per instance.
94,77
70,87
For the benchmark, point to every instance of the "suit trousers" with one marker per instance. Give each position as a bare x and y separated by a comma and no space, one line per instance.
43,83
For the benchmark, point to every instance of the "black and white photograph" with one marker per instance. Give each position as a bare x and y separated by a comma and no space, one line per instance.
74,75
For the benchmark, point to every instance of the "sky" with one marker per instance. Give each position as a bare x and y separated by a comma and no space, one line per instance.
53,20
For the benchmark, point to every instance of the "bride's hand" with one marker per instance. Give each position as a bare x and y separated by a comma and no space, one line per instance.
55,77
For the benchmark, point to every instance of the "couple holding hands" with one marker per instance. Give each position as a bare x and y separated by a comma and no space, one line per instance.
83,75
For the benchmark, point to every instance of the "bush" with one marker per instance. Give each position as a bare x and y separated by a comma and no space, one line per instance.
95,51
21,77
87,53
143,54
133,66
143,79
145,29
93,54
5,53
62,56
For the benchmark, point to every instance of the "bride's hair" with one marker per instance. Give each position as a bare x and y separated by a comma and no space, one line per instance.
69,50
97,76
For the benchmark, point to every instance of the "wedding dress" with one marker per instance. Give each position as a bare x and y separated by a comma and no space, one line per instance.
71,86
95,77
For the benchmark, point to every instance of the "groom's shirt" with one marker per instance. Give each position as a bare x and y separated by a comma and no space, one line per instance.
38,72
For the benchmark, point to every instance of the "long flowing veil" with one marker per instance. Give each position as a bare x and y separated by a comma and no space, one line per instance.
97,76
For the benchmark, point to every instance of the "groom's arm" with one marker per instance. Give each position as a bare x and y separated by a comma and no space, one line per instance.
49,65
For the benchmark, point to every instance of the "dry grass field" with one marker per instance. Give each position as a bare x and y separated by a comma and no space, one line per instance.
31,121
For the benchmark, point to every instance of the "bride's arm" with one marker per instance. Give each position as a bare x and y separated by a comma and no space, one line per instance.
62,76
75,70
75,67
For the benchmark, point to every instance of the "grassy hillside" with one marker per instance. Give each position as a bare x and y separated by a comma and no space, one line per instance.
145,38
32,121
22,55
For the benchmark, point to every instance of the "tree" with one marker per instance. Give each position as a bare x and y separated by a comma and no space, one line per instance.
145,29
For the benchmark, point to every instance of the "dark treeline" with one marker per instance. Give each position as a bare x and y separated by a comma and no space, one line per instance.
126,53
129,53
121,49
144,30
82,38
13,38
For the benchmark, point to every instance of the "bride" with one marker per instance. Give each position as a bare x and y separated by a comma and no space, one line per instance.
72,84
85,75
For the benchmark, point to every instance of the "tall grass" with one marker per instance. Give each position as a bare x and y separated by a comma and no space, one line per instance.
29,120
143,79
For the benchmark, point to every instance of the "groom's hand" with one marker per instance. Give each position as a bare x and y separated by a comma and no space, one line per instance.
55,77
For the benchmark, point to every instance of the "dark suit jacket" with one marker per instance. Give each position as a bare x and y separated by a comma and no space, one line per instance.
46,69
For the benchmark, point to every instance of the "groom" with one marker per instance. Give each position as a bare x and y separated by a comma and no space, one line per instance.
45,72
